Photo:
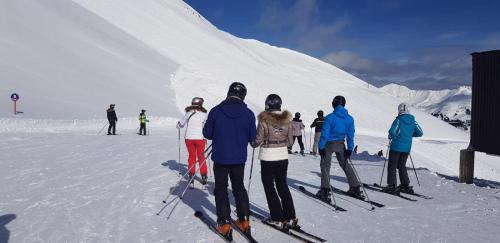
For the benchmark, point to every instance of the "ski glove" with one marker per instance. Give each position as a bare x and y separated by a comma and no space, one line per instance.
347,154
179,125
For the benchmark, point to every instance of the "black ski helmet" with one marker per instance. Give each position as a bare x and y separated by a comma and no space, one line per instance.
197,101
320,113
297,115
112,106
143,110
338,100
237,89
273,102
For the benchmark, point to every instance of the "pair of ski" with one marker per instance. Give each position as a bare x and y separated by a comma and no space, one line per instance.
412,194
295,232
340,191
378,188
312,195
212,225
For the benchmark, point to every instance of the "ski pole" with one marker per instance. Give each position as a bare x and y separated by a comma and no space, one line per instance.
179,145
361,183
185,189
99,133
414,170
385,161
251,170
310,141
182,177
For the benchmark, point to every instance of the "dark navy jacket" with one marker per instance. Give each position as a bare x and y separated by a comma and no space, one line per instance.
231,127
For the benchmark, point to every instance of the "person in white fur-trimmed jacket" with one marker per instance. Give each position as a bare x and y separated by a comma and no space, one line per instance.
194,120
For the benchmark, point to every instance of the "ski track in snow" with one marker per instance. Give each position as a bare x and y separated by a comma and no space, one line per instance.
80,187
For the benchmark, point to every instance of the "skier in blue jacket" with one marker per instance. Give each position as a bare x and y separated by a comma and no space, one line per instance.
337,128
401,134
231,127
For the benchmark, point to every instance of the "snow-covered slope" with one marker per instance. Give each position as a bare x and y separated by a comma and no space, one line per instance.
453,103
71,60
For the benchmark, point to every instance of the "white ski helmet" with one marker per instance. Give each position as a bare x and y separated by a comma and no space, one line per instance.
403,109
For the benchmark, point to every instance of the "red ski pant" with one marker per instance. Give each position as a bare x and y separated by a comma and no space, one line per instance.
195,148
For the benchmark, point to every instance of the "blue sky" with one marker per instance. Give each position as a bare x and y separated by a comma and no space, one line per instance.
422,44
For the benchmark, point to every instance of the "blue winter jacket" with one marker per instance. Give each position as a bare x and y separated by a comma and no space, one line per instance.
338,126
231,126
402,131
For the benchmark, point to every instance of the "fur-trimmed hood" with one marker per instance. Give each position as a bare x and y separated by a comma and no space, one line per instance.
195,108
275,118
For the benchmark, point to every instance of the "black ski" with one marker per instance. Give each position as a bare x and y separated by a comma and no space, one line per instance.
312,195
413,194
376,204
212,226
379,189
248,236
297,229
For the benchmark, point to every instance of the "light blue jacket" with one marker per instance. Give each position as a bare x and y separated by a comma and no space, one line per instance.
338,126
402,131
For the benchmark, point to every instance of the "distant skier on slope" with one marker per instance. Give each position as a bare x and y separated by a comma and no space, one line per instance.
142,122
274,135
318,125
194,120
231,127
297,127
112,119
401,134
337,127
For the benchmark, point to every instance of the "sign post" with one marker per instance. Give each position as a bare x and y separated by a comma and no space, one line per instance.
14,97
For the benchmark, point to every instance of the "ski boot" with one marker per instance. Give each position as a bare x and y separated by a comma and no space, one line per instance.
324,195
282,225
294,223
391,189
290,151
204,179
356,193
243,225
406,189
302,152
224,228
191,180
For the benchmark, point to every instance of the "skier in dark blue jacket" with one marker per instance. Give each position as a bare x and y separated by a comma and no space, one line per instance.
401,134
337,128
231,127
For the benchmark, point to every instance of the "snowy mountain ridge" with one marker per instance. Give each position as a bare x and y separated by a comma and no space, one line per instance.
455,104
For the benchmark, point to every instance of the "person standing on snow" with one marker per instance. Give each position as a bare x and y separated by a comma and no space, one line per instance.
194,120
297,127
231,127
337,127
274,135
112,119
318,125
401,134
142,121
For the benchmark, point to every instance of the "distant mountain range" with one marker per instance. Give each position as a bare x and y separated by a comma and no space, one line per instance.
451,105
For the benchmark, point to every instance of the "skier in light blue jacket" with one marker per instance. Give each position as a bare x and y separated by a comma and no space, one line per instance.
401,134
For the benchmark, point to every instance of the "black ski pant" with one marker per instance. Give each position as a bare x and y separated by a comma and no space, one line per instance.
142,129
236,173
397,160
299,139
274,179
112,126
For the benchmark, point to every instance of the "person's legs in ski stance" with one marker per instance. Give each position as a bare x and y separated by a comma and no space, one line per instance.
268,178
112,126
200,148
301,144
354,185
394,158
142,130
316,142
403,174
236,174
291,146
283,190
221,175
191,147
325,164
